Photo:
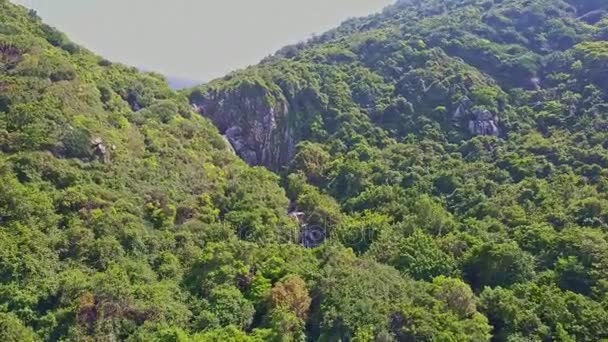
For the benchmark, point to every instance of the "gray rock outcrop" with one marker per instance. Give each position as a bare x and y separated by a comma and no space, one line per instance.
254,122
100,152
483,122
229,144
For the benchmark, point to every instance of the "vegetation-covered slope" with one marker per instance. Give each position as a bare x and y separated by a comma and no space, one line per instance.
110,190
462,138
451,156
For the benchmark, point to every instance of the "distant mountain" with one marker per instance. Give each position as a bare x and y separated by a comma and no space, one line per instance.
178,83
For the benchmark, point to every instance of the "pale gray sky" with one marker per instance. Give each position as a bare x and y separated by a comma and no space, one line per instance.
195,39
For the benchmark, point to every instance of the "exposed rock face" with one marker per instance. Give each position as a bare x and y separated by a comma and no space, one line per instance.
484,122
298,216
478,121
253,121
100,152
461,111
9,55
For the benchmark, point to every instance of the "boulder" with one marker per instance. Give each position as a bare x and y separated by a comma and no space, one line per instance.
100,151
484,122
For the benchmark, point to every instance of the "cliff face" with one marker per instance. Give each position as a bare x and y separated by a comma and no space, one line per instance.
264,114
253,121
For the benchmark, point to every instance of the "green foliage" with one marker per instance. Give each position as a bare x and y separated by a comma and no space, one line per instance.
498,265
11,329
539,312
421,258
290,307
227,306
447,158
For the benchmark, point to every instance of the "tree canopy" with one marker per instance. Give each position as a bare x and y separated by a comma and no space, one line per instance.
433,172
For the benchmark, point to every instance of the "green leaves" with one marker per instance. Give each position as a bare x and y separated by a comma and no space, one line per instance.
498,265
227,306
421,258
11,329
532,311
123,217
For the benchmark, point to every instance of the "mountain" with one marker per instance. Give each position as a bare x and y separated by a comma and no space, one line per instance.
434,172
452,66
111,189
178,83
461,138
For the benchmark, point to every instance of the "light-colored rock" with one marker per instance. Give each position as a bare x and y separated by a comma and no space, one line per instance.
228,144
484,122
100,152
255,127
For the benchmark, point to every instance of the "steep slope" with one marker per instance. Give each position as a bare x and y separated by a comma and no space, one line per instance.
109,188
462,138
446,159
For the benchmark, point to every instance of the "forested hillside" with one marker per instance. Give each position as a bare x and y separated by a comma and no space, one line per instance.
460,140
435,172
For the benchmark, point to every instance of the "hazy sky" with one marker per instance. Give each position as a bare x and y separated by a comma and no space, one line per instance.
195,39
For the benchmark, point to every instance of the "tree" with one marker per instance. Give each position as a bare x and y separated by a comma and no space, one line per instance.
292,295
226,307
457,295
498,264
12,329
360,231
421,257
